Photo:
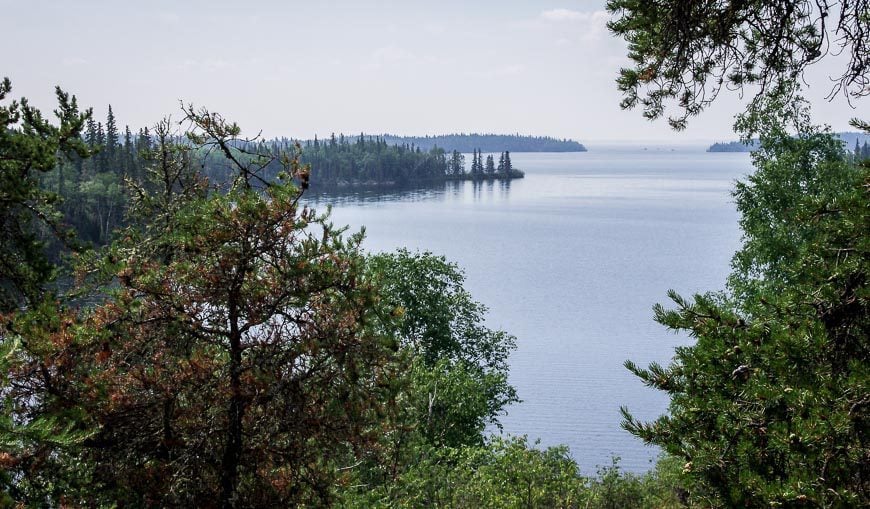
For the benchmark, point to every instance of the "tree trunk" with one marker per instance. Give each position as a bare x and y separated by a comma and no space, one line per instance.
235,412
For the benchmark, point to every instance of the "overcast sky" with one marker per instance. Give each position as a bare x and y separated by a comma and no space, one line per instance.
296,68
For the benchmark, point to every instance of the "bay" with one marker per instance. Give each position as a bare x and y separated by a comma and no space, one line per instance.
570,260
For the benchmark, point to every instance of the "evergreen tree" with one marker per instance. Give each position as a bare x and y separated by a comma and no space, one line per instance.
685,52
490,165
143,143
263,369
111,137
29,149
91,133
456,164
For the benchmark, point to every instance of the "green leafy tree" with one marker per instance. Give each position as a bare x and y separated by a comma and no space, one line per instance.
459,370
511,472
770,405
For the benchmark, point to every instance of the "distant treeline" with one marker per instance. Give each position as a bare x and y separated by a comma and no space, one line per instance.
733,146
92,189
488,143
853,141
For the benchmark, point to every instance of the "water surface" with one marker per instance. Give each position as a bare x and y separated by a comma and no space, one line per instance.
570,260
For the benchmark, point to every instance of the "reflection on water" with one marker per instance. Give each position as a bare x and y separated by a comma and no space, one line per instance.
570,259
451,190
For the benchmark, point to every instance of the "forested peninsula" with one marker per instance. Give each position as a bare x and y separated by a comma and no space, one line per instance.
488,142
92,191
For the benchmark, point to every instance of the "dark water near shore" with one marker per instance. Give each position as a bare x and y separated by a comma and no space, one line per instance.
571,259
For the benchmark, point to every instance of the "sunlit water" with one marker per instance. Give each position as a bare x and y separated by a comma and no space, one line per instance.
570,260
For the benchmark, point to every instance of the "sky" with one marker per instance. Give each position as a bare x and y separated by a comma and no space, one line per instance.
299,68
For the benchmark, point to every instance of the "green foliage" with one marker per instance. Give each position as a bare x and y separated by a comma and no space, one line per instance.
459,371
770,406
238,359
795,178
512,473
662,487
685,51
29,148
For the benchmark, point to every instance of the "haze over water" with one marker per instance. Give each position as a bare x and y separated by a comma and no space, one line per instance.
570,260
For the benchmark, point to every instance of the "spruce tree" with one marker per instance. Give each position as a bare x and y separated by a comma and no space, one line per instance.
111,138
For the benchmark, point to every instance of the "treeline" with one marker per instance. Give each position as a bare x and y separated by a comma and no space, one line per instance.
488,142
91,190
733,146
859,143
366,161
375,161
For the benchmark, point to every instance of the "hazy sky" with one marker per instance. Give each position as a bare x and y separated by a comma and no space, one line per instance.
297,68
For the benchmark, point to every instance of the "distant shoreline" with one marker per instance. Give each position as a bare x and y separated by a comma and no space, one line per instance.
849,140
466,143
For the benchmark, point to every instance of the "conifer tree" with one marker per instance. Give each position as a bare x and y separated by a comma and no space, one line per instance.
259,378
29,148
111,137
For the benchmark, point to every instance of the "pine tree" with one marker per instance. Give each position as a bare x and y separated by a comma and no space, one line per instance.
490,165
29,148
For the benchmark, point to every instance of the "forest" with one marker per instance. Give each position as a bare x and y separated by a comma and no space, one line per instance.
467,143
179,329
91,190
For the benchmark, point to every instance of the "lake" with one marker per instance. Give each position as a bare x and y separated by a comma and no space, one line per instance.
570,260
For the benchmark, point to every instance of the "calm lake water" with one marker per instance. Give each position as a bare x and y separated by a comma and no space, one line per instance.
570,260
